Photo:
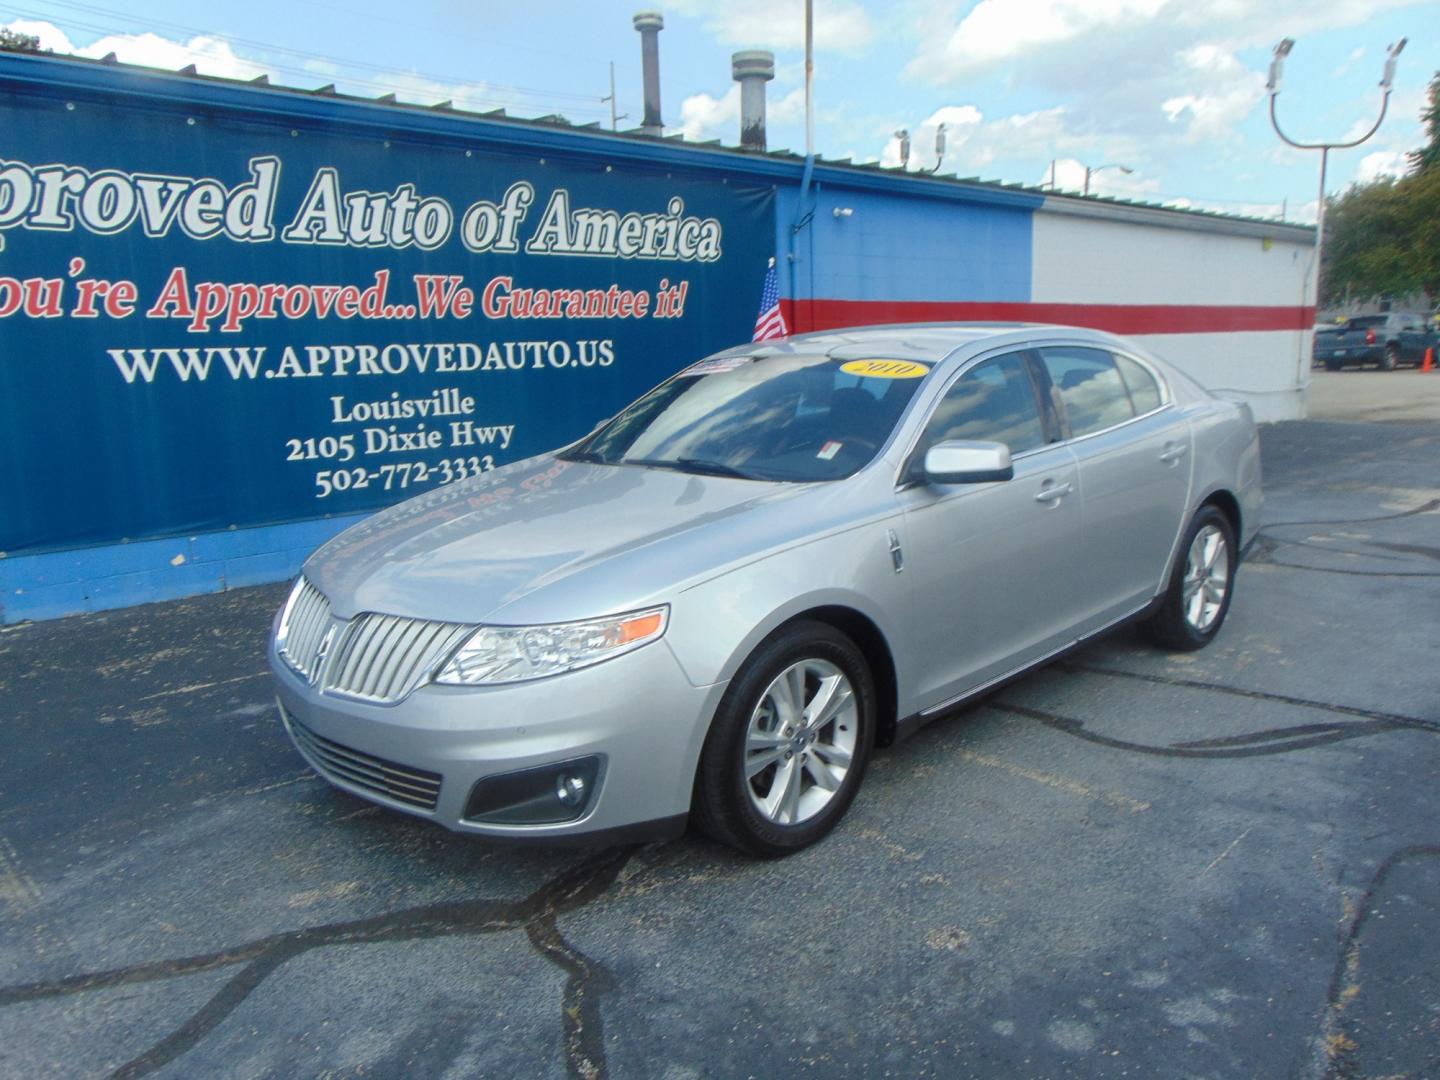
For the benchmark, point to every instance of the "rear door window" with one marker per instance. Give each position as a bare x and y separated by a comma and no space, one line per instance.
1090,388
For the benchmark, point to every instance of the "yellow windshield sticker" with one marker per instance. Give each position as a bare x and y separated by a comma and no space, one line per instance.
884,369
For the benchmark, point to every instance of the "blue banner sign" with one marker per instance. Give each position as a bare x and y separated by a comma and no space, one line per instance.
223,320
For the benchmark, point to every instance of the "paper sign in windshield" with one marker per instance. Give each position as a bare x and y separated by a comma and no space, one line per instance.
717,366
885,369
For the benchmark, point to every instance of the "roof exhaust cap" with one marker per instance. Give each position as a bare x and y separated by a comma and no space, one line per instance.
752,69
649,24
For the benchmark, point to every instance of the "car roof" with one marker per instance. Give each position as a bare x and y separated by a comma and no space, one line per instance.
927,342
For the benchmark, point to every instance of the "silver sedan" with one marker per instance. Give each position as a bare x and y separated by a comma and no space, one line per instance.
714,606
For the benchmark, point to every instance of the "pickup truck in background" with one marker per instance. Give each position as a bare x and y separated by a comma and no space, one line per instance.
1389,340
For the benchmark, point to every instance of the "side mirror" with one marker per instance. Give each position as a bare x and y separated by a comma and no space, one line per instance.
963,462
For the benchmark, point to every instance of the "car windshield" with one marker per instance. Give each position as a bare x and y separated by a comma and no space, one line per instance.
782,417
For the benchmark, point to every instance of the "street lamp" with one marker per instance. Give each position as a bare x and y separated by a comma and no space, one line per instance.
1089,172
1277,64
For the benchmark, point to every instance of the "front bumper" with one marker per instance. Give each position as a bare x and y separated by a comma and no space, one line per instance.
637,713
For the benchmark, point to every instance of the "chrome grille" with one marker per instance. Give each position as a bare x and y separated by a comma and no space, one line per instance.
304,624
383,657
413,787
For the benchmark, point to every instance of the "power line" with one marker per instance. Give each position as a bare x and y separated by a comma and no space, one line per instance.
578,99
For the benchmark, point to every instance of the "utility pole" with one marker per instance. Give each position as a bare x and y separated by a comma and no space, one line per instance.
614,120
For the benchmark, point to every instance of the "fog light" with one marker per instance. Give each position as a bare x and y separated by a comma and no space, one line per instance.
570,789
545,795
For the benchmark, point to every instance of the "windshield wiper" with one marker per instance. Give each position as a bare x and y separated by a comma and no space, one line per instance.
589,456
693,465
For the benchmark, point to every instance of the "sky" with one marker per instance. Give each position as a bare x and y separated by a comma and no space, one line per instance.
1171,90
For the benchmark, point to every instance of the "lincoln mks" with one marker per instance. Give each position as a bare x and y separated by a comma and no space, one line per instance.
714,607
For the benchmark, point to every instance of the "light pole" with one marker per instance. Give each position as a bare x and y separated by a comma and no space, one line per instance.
1089,172
1277,64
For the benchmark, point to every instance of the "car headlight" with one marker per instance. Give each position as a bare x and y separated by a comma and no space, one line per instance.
507,654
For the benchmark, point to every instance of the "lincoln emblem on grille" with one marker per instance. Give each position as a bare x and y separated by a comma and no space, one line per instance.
320,653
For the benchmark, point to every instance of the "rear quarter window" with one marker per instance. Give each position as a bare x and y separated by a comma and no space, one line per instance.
1144,390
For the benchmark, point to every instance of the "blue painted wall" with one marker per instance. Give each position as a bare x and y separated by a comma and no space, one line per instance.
906,247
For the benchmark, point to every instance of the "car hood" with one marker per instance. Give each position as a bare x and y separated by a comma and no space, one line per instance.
540,539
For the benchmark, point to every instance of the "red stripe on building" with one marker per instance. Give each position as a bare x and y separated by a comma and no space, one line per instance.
806,315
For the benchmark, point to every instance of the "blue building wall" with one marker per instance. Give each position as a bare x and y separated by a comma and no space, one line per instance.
906,247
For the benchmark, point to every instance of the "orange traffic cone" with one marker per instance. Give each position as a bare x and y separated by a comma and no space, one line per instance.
1429,364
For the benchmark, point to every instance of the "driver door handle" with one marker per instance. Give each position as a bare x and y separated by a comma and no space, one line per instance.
1054,492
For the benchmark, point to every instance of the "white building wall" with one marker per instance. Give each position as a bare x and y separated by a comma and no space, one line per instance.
1252,282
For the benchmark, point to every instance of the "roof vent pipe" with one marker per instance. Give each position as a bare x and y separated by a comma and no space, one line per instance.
650,23
752,69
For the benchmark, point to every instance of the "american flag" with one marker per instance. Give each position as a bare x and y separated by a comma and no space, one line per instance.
769,323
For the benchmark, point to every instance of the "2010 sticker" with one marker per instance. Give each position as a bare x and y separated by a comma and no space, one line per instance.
885,369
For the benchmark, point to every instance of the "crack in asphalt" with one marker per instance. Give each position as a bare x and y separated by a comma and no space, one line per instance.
1263,554
1265,546
1255,744
536,914
1397,719
1336,1049
1425,508
1281,740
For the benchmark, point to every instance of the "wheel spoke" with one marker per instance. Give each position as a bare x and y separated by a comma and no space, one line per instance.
834,755
773,805
755,763
790,799
794,683
1195,609
834,694
1212,549
763,740
820,772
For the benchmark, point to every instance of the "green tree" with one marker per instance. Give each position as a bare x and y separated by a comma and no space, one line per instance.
13,41
1383,239
1428,156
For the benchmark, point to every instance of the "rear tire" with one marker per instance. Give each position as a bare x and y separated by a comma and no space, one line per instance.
1391,360
1334,365
789,743
1201,585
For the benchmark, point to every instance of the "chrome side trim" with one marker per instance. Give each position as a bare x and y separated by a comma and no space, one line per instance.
975,691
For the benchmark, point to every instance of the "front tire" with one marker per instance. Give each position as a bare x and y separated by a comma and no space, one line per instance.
1201,585
1391,360
789,744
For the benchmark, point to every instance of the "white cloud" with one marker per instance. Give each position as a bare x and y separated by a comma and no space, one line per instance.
704,117
995,31
841,25
51,36
211,56
214,56
1356,55
1226,92
974,144
1107,178
1381,163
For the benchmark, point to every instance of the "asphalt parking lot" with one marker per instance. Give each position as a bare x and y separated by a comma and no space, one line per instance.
1131,864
